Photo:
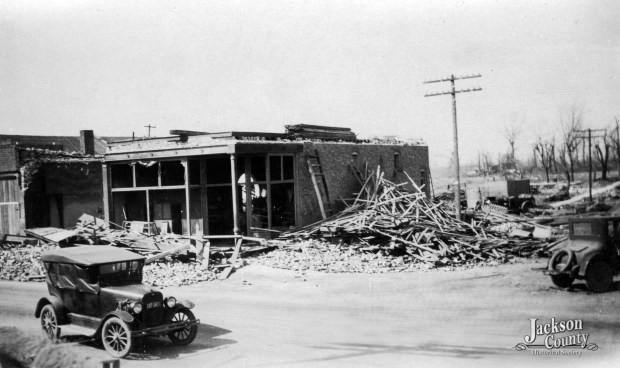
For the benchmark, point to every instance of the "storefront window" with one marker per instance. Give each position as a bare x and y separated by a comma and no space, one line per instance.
122,175
172,173
147,174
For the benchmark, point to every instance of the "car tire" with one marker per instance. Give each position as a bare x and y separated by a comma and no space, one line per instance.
116,337
49,321
599,277
562,261
187,334
526,206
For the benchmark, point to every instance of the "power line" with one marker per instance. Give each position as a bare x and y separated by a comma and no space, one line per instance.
453,92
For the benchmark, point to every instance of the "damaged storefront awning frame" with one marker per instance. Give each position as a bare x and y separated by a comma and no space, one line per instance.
163,149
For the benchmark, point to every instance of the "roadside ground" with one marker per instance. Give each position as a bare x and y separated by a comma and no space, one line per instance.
264,317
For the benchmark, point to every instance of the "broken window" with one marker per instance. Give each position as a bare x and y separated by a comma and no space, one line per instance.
122,175
129,206
258,168
194,172
281,168
218,170
172,173
168,206
147,174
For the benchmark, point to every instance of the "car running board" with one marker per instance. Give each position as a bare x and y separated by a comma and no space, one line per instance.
72,329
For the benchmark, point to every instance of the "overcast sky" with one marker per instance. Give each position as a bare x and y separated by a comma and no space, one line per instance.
116,66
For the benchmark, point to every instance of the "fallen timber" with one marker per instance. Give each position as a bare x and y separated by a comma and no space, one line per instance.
398,218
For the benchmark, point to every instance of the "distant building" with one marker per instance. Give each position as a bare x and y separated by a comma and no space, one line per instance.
248,182
49,180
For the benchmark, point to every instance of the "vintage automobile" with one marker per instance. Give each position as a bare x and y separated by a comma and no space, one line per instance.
591,254
97,291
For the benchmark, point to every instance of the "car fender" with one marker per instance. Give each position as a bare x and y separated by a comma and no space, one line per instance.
125,316
179,306
587,260
58,305
186,303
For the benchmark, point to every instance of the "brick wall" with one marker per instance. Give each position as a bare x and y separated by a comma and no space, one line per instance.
8,159
341,182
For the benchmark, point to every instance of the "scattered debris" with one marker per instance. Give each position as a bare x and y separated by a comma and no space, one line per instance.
22,262
385,218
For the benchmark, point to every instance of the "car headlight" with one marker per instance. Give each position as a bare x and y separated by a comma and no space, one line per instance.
136,307
171,302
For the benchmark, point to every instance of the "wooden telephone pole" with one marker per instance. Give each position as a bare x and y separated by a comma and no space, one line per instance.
589,137
453,92
149,127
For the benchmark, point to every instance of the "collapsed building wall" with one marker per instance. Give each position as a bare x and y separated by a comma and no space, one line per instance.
340,159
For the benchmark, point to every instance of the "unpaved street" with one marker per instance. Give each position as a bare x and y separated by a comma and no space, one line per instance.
263,317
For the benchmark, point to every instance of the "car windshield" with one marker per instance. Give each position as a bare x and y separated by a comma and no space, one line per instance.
120,273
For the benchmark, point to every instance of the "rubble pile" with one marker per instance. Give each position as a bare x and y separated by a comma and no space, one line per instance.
389,219
317,255
22,262
170,272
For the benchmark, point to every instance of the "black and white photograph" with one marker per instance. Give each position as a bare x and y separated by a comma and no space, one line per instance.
309,183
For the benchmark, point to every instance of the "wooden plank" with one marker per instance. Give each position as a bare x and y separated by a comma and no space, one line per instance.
167,253
224,275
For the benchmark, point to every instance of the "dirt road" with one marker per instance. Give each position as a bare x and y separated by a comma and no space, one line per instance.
261,317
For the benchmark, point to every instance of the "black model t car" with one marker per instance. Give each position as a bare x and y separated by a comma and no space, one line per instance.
97,291
591,254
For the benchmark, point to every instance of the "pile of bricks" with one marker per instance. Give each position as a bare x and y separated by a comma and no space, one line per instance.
22,262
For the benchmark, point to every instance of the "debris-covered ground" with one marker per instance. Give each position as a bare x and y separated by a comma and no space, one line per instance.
22,262
388,227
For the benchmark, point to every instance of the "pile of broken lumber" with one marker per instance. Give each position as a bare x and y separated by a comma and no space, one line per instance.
92,230
305,131
400,218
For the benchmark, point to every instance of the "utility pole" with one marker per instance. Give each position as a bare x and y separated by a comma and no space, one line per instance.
589,137
150,126
453,92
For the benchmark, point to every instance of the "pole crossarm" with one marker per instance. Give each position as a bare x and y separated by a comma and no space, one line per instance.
452,78
475,89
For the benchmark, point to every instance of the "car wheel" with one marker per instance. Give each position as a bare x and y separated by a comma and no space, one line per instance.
599,277
116,337
187,334
562,261
49,321
526,206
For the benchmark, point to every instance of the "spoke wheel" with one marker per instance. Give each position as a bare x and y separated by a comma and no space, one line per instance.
599,277
49,321
116,337
185,335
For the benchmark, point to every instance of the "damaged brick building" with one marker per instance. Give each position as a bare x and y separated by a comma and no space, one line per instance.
49,180
248,182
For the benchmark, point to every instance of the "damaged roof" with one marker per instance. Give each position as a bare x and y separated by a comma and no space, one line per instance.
56,143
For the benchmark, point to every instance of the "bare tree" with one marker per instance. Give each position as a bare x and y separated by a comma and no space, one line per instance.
614,136
602,147
546,153
565,163
511,132
570,124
